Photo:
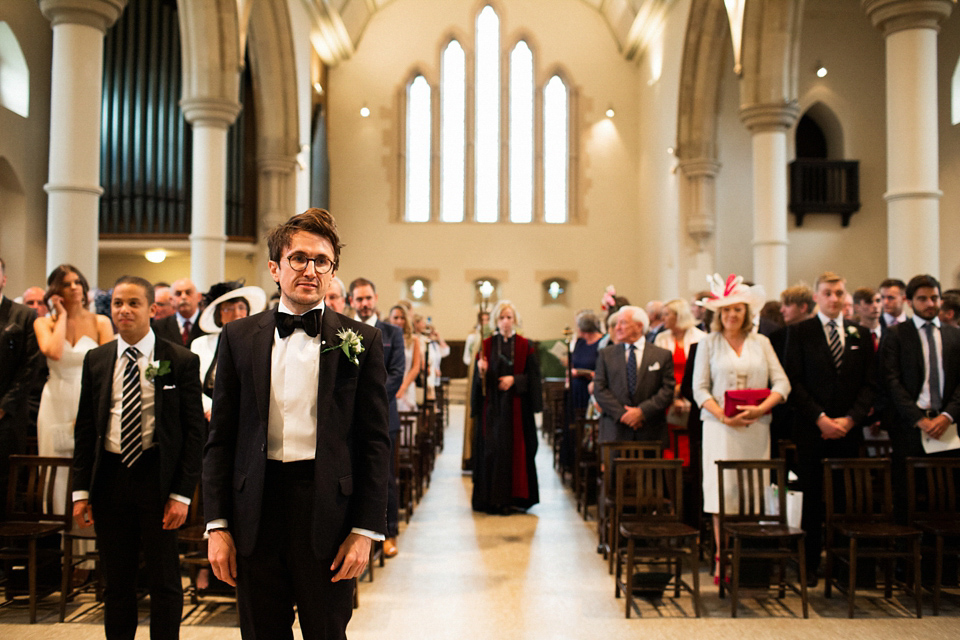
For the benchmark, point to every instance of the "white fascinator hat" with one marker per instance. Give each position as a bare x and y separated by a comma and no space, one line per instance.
724,293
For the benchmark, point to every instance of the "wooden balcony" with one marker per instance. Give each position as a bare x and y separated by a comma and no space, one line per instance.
824,186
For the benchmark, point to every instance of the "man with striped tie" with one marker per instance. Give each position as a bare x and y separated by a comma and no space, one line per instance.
830,363
139,436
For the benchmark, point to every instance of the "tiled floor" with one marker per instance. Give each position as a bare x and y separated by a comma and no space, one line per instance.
464,575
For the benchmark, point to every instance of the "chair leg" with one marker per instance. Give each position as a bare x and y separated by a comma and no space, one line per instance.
938,576
917,584
782,578
66,577
676,582
802,568
695,570
32,578
828,570
852,585
735,582
628,579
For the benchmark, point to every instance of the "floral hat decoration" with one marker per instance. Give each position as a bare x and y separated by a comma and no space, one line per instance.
724,293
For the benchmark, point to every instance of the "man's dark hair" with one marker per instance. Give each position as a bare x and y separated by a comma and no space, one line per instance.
140,282
918,282
798,294
863,295
316,221
951,302
361,282
893,282
157,285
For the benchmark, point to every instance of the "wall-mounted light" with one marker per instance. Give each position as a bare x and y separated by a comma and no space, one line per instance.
156,256
318,88
821,70
364,112
611,112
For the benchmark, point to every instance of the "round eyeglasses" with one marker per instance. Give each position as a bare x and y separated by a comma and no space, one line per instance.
321,264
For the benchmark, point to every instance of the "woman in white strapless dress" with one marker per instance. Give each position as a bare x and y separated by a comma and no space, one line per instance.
64,338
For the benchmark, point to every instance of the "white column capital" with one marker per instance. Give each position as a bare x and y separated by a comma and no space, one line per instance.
210,112
891,16
770,116
699,167
99,14
276,163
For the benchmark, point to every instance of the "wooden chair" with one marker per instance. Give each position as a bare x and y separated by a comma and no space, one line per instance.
933,507
72,560
751,521
426,443
606,498
879,448
408,463
649,505
585,461
859,499
32,515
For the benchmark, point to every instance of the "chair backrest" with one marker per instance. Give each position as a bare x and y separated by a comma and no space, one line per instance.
30,489
626,449
649,489
858,489
585,438
879,448
751,479
933,489
408,428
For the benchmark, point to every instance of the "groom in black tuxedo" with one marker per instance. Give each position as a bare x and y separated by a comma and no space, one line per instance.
296,466
19,362
136,461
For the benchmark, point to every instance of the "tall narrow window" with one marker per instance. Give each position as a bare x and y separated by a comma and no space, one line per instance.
521,133
487,181
556,151
418,151
453,110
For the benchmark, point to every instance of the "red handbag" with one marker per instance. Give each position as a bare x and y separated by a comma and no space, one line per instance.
742,397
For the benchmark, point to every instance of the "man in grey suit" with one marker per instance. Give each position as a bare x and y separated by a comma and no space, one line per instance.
633,383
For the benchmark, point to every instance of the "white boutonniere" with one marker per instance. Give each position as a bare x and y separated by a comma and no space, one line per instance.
350,343
157,368
852,330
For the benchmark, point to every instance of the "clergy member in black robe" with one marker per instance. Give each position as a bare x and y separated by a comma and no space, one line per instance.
505,440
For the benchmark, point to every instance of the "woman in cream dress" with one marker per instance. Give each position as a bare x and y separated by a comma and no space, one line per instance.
64,338
733,356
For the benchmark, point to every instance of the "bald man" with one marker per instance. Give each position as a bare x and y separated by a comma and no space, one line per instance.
183,327
33,298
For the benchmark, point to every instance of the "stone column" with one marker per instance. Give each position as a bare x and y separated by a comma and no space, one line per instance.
910,28
769,123
210,119
76,79
700,203
277,197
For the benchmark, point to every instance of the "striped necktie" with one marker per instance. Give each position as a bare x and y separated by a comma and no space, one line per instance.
933,367
131,438
836,349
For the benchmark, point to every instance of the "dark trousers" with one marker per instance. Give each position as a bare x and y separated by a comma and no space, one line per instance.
12,437
128,513
283,571
393,492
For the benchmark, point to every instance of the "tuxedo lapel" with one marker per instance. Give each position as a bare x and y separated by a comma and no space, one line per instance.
5,307
329,361
160,353
105,370
262,351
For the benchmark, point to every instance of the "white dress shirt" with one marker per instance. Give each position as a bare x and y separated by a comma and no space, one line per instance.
147,402
824,320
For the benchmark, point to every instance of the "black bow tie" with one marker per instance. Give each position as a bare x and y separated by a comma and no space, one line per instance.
309,322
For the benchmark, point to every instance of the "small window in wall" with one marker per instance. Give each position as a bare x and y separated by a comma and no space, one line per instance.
486,292
418,290
14,74
555,291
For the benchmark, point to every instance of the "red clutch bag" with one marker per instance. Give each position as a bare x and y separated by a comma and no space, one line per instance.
740,397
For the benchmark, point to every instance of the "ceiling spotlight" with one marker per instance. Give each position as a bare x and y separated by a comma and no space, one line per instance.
610,112
821,70
364,112
156,256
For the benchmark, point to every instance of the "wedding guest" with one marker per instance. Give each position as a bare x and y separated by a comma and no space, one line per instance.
678,335
164,302
183,326
336,297
33,298
471,348
407,394
893,296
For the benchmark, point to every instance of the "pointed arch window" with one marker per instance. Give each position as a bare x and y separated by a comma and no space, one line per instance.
503,142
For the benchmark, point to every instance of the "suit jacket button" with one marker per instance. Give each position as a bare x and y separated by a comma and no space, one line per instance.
263,447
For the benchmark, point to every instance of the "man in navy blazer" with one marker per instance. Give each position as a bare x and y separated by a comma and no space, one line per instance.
136,461
363,299
832,394
296,465
639,413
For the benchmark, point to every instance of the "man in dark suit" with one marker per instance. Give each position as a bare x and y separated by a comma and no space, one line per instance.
136,461
296,466
924,400
830,363
893,297
19,362
634,403
183,327
363,299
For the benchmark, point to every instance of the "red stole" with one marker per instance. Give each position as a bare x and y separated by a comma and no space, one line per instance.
521,349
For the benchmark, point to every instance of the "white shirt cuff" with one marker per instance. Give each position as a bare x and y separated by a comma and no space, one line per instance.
81,495
180,498
373,535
